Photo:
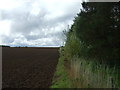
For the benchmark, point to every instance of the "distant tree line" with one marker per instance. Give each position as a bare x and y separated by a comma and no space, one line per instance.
4,46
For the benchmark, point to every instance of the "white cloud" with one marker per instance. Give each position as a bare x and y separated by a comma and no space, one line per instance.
9,4
35,22
5,26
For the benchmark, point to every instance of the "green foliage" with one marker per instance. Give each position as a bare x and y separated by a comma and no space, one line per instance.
61,79
72,46
95,37
97,29
92,47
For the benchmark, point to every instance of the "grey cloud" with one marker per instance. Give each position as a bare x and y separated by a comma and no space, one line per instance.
23,22
32,37
7,39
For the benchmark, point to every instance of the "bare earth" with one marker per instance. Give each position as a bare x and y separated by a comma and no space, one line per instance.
28,67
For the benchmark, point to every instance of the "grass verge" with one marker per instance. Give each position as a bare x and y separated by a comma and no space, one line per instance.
88,74
84,74
61,79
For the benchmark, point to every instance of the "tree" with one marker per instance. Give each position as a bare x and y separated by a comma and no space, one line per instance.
98,28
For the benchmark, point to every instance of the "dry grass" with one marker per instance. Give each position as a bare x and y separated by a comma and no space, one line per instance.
88,75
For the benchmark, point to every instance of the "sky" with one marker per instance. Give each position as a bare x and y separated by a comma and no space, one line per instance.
36,22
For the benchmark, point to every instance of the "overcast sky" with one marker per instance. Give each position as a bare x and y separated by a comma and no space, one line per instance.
36,22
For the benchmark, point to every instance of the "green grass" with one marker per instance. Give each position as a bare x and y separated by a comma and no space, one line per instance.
84,74
61,79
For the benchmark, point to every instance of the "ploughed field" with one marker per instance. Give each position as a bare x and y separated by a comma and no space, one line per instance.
28,67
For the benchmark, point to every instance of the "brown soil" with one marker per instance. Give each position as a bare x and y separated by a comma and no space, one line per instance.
28,67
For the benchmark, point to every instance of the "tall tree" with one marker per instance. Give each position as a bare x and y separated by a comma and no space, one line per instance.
98,27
